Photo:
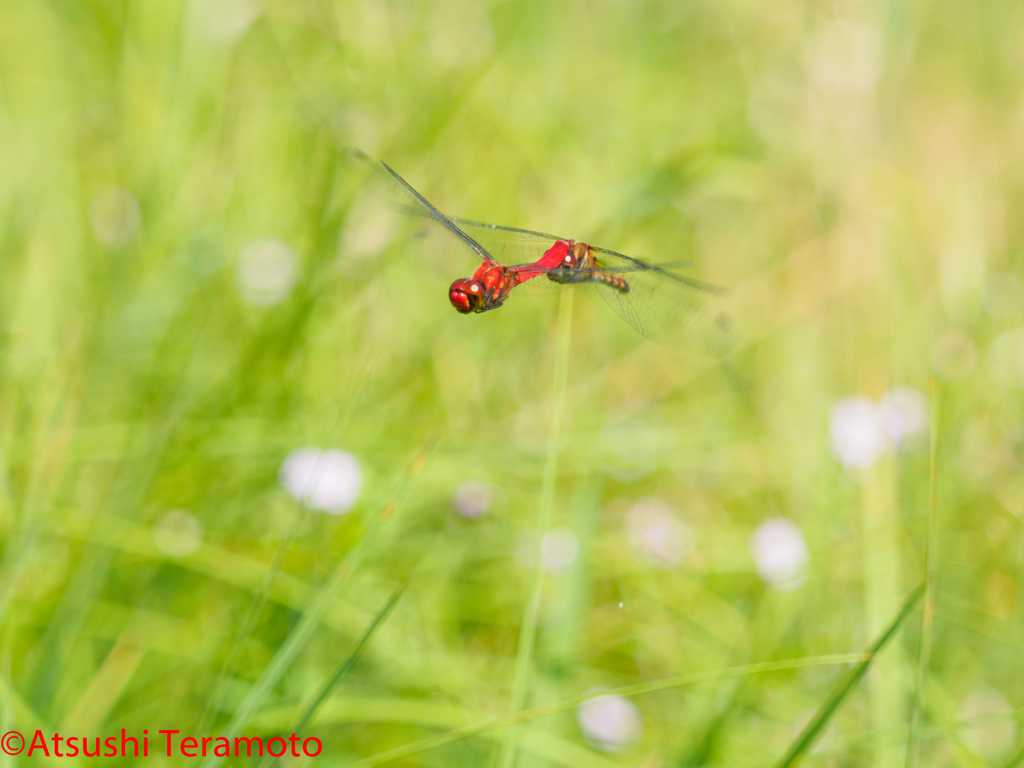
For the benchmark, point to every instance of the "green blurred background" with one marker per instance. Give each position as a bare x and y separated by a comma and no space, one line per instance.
186,302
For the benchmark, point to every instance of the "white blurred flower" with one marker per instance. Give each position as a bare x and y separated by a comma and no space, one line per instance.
325,480
559,549
906,413
267,271
472,498
655,533
177,533
953,355
609,722
987,722
115,216
1004,295
224,20
779,553
859,430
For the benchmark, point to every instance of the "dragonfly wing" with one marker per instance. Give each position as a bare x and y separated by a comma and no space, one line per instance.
666,307
386,200
663,305
509,245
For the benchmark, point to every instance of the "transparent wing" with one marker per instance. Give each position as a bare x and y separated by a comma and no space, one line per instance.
528,245
666,307
661,304
509,245
385,206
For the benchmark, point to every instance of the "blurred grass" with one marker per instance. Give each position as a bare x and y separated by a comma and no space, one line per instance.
931,575
853,173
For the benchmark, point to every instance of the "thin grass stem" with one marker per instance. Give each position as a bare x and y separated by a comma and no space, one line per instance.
817,724
1016,760
527,715
528,629
350,661
310,619
262,595
931,569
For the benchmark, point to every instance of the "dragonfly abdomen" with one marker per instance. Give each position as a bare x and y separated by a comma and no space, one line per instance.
612,281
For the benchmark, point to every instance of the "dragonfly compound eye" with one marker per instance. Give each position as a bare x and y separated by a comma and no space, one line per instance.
466,295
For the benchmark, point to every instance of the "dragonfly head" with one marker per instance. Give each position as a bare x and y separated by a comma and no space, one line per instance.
466,295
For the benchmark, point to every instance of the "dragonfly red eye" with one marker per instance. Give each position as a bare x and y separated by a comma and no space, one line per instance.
569,260
466,295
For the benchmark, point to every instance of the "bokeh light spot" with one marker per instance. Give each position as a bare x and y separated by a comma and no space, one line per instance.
472,498
559,549
328,481
267,271
860,432
655,533
609,722
780,553
177,533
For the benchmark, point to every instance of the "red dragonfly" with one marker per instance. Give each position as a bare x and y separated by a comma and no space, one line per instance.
658,302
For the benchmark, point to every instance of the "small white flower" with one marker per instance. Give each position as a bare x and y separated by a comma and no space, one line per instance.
779,553
859,430
655,533
609,722
954,355
906,413
267,271
559,549
325,480
472,498
177,533
987,722
115,216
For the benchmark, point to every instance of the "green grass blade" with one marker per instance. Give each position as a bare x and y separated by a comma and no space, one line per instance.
350,661
931,565
310,619
820,720
352,658
1016,760
528,629
272,571
679,681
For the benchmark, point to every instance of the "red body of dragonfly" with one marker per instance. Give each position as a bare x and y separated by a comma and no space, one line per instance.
491,284
656,300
